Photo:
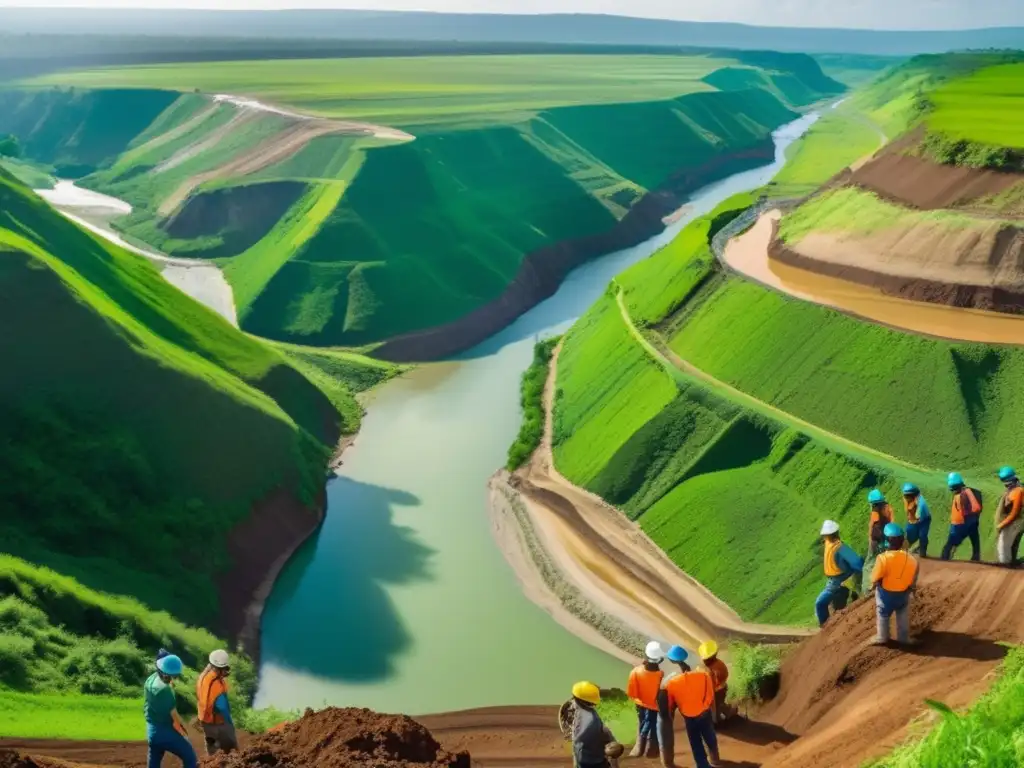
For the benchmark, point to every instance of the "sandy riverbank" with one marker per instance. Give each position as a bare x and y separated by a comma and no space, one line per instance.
614,568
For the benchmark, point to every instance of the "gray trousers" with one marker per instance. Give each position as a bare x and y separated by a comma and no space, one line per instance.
902,619
1005,539
220,737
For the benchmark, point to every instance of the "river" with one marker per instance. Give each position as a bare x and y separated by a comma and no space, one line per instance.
403,602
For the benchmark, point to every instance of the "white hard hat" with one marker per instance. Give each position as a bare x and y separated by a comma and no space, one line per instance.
654,651
829,527
220,659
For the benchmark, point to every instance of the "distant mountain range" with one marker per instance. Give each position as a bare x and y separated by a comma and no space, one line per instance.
494,28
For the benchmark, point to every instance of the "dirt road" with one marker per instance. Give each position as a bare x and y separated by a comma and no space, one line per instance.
614,563
748,255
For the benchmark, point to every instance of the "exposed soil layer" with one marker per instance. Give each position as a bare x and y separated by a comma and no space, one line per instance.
543,270
259,547
918,182
979,267
240,216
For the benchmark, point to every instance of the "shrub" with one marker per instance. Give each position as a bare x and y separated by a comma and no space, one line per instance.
15,660
752,670
532,401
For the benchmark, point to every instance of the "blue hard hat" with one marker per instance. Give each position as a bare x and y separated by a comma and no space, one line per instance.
875,497
909,489
1007,473
953,480
892,529
170,665
677,654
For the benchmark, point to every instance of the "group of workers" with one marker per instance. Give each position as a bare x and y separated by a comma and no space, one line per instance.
698,694
165,731
890,570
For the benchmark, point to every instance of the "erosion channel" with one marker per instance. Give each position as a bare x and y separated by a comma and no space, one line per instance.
402,601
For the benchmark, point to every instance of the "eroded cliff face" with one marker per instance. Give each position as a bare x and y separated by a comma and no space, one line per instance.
259,549
543,270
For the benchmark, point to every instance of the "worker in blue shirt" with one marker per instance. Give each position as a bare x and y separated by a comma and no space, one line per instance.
919,518
841,563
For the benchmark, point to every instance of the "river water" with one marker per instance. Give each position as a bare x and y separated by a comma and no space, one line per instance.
403,601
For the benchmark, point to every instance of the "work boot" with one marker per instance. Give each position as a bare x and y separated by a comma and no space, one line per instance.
640,748
652,749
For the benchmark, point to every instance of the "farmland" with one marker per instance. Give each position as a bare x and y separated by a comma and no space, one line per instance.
467,91
986,106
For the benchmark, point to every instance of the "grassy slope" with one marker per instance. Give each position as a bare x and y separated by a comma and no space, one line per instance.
111,422
986,106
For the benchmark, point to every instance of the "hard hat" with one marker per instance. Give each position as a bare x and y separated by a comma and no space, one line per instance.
707,649
677,654
1007,473
654,651
587,692
219,659
909,489
892,529
829,527
170,665
875,496
953,480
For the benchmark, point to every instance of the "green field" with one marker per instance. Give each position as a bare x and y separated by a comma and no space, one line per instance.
469,91
985,107
58,716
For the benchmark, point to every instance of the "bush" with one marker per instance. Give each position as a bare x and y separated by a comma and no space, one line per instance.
261,720
752,670
110,668
9,146
532,401
15,660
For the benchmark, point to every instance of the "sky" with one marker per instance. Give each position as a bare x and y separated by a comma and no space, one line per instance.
866,14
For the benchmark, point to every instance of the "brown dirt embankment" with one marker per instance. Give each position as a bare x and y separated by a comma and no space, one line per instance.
542,271
920,183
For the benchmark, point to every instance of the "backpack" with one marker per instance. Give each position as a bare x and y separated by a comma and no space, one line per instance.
981,503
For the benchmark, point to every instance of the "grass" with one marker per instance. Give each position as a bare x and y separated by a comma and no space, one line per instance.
750,665
618,712
34,175
421,91
985,107
850,210
110,424
987,734
531,400
54,716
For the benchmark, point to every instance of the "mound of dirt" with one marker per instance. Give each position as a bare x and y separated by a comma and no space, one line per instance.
343,738
10,758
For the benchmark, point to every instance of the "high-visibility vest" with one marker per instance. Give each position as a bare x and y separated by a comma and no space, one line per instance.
958,516
209,686
692,692
879,519
910,505
895,570
644,685
831,566
719,673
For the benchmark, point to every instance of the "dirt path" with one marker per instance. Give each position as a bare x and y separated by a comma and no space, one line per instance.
748,256
675,365
614,563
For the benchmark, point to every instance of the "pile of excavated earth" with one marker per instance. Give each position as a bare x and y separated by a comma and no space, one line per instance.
836,689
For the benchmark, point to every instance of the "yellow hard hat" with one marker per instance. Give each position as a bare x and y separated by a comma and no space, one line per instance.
708,649
587,692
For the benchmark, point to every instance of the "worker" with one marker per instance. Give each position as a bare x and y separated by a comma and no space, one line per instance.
590,736
919,518
841,563
1009,521
214,708
666,736
164,729
708,652
964,518
895,577
692,692
644,684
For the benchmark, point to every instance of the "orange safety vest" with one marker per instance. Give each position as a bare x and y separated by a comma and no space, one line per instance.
1010,505
831,547
911,508
957,516
209,686
644,685
895,570
879,519
692,692
719,673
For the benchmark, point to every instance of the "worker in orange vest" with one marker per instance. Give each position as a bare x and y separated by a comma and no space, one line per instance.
1009,521
214,708
881,515
644,684
894,578
964,519
692,692
708,652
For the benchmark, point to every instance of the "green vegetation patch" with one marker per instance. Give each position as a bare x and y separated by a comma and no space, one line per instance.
531,399
985,107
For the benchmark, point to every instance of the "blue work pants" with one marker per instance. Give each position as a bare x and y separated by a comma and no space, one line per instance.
918,532
701,731
833,596
961,532
162,739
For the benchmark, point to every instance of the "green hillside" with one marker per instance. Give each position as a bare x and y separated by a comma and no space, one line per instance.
124,400
512,154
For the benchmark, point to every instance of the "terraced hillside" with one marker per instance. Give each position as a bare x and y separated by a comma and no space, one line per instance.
188,455
729,419
521,167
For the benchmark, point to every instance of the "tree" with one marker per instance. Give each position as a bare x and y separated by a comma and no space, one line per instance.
9,146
